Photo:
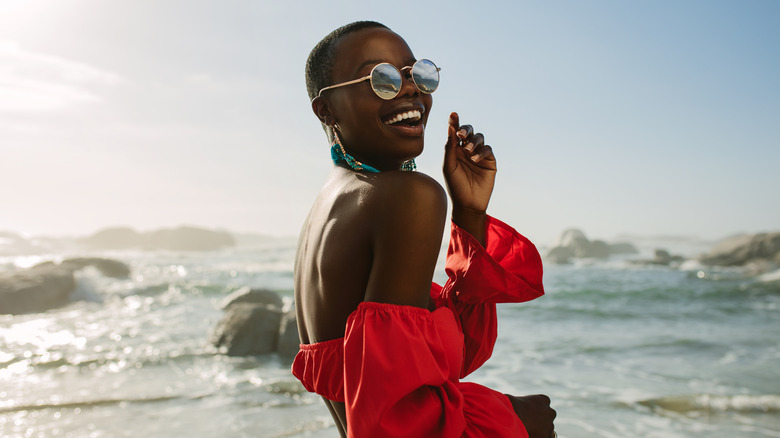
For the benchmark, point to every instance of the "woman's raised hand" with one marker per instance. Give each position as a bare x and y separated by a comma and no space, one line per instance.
470,173
469,167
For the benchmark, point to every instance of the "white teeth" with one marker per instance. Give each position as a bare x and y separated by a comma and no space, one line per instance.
414,115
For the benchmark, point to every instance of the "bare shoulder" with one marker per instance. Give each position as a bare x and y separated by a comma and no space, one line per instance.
404,193
408,212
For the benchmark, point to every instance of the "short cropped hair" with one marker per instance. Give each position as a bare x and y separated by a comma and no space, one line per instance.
319,66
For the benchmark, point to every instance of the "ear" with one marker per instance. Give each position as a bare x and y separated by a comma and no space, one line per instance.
323,111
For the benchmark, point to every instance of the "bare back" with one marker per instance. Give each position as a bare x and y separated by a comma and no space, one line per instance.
333,261
341,254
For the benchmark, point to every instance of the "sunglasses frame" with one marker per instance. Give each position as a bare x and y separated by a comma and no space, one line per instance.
400,72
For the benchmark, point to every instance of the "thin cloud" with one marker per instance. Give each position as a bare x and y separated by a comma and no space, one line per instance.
31,82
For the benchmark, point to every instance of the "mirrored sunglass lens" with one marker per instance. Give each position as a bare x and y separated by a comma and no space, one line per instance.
425,75
386,81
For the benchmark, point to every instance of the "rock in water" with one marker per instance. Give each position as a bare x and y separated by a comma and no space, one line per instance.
740,250
248,329
256,296
560,255
572,243
572,238
36,290
47,285
109,268
622,248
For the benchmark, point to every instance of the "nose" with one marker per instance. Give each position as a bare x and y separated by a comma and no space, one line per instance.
408,87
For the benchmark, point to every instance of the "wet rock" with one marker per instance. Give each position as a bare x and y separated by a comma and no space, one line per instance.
572,238
596,248
560,255
36,290
248,329
48,285
620,248
663,257
743,249
256,296
256,323
109,268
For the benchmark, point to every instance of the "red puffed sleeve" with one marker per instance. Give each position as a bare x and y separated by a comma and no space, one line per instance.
401,367
507,270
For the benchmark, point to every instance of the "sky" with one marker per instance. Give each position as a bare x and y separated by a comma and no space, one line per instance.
642,118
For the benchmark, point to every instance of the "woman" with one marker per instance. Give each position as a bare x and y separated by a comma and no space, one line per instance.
384,347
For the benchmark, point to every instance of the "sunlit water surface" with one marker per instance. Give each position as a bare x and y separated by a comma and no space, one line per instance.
622,350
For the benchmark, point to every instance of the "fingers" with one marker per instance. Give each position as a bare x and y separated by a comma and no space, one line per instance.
472,143
465,132
452,137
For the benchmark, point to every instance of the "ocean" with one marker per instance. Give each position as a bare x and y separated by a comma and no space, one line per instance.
622,349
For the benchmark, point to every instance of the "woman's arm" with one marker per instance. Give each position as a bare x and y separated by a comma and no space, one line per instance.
408,216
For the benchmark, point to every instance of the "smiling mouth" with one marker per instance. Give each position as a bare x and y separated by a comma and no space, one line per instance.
406,118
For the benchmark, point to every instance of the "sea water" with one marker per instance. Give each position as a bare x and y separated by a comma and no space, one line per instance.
623,350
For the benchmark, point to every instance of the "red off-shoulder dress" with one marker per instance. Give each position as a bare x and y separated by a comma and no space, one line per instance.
398,368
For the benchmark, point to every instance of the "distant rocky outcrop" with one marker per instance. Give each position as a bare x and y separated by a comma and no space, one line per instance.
573,243
741,250
49,285
178,239
662,257
256,323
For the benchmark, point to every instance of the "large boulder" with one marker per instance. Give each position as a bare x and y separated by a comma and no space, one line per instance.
622,248
661,257
560,255
596,249
248,329
36,289
743,249
255,323
107,267
572,238
49,285
254,296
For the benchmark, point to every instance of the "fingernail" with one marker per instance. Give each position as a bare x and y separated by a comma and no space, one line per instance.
462,133
469,146
475,158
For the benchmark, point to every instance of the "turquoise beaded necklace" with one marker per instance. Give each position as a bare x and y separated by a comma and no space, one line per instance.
339,155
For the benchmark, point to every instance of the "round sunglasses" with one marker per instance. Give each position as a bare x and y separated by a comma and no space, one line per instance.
386,79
